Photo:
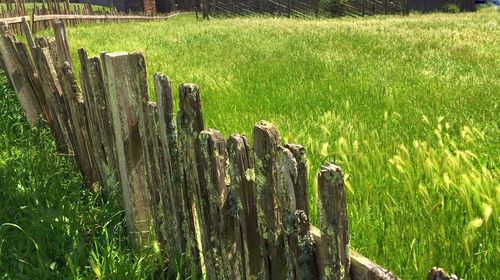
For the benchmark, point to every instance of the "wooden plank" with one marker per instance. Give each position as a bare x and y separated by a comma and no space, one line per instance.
333,252
77,119
217,234
190,124
361,267
162,220
300,184
287,175
125,78
62,42
242,177
364,269
269,217
302,247
91,17
27,33
175,202
32,75
51,89
12,20
97,107
24,89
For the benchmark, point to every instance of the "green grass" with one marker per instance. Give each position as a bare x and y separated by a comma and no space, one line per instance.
407,106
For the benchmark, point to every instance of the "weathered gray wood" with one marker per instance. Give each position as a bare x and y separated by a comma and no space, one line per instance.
302,246
27,33
22,85
175,202
299,247
79,126
52,91
300,184
190,124
333,252
125,78
32,75
269,216
62,42
287,175
361,267
156,183
364,269
217,235
97,109
242,177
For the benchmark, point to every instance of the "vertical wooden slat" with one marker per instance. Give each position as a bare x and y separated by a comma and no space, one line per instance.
79,127
300,184
24,90
190,124
175,201
266,142
32,75
333,252
51,88
97,103
216,236
162,220
125,78
302,246
242,177
287,175
62,41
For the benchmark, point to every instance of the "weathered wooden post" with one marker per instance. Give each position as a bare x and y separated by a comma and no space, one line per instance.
190,124
269,216
125,78
173,196
242,182
19,78
333,251
97,107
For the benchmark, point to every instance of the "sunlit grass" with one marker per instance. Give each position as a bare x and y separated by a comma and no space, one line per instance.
407,106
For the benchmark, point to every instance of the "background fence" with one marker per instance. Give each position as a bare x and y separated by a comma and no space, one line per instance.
304,8
337,8
41,15
239,211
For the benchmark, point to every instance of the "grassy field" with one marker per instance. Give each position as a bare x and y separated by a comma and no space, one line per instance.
407,106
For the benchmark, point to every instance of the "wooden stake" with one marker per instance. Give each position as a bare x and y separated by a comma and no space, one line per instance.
333,252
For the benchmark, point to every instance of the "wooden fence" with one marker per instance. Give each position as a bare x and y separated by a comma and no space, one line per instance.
303,8
239,211
43,14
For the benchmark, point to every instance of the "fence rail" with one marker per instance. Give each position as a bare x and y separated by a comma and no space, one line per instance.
239,211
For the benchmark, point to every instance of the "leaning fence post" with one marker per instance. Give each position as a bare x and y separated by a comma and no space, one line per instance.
62,42
24,89
190,124
125,77
333,252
